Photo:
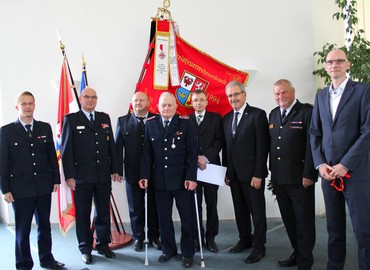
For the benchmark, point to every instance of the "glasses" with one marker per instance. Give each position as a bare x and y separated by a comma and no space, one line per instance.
234,95
90,97
337,61
199,100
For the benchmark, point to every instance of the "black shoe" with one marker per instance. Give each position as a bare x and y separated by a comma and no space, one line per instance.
291,261
106,252
86,258
240,246
166,257
52,265
187,262
155,243
255,256
212,246
138,245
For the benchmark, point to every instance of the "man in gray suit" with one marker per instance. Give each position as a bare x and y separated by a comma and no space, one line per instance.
340,140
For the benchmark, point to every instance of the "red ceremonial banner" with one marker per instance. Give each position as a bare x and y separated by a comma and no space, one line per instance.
197,70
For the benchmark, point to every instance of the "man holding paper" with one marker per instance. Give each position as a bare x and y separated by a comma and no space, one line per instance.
210,139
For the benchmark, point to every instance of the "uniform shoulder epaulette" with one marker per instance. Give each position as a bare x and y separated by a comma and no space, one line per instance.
150,118
186,117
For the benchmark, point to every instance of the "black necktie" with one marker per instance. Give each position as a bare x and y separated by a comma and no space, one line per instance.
140,125
91,119
234,124
283,115
29,131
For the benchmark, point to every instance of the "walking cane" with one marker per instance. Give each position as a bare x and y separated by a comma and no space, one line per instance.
202,264
146,226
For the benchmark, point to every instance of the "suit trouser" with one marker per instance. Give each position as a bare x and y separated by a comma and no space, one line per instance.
250,201
297,208
84,193
24,209
184,200
136,205
210,196
356,194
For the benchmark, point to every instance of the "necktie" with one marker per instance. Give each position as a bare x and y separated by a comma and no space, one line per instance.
29,131
283,115
234,124
140,125
166,123
199,119
91,119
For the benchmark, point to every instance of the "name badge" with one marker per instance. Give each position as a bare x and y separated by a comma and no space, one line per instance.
80,127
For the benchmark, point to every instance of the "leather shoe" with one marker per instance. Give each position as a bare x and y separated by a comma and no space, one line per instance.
106,252
187,262
255,256
138,245
166,257
291,261
155,243
240,246
86,258
52,265
212,246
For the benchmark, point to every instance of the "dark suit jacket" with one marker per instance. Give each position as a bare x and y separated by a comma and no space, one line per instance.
345,140
210,136
88,153
246,154
170,158
290,151
28,166
129,143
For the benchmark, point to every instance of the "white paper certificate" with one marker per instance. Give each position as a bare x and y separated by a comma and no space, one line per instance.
213,174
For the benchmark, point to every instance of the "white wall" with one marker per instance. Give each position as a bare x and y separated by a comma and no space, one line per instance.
275,38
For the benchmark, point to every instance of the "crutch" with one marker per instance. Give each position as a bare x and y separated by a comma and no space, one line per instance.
202,264
146,226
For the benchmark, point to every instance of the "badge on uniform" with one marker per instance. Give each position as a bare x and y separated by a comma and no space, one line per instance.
108,138
271,126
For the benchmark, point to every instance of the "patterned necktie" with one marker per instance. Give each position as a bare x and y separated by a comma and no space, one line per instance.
29,131
283,115
234,124
91,119
199,119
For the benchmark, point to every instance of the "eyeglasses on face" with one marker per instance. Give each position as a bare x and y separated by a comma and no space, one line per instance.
235,94
90,97
337,61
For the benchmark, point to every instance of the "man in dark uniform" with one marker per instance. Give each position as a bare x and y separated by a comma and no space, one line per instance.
170,163
89,158
129,144
29,173
247,144
210,138
292,172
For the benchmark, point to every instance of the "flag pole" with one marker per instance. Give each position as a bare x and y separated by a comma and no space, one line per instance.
62,48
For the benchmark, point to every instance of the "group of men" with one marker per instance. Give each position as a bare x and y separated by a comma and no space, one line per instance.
159,155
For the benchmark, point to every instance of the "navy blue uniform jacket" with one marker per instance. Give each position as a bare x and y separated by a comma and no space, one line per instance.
128,140
88,152
28,166
290,154
170,158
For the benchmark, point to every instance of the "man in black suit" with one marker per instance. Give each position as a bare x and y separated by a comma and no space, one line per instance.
169,162
210,139
245,155
340,139
29,173
129,144
292,172
90,162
